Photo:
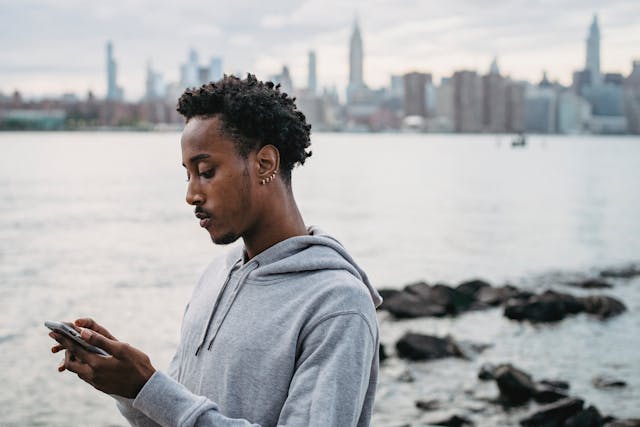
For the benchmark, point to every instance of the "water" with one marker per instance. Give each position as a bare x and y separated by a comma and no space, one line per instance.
96,224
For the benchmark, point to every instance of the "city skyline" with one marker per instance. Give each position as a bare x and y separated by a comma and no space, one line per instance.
397,39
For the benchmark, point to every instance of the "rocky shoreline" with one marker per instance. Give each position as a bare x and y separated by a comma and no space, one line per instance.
548,401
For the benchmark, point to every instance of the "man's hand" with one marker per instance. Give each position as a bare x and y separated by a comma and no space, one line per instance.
123,373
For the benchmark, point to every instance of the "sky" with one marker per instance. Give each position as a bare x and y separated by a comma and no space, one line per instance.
48,47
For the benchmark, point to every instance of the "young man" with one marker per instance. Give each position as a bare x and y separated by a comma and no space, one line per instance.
281,331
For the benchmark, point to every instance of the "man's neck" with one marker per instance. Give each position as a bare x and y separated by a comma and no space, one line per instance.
282,220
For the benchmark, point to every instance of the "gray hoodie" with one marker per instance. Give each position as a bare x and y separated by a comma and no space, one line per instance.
288,338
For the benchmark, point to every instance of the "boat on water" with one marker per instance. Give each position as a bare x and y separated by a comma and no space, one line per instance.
519,141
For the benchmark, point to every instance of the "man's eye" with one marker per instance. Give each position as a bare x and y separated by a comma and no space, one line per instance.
207,174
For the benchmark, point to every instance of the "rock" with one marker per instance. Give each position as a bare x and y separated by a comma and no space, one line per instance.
422,300
386,294
554,414
606,382
405,305
426,347
496,296
550,306
557,384
442,297
382,353
546,394
472,287
428,405
629,422
626,272
515,386
453,421
603,306
487,371
593,283
589,417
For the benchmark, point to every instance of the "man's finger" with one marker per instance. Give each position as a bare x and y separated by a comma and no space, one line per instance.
76,349
56,348
87,322
94,338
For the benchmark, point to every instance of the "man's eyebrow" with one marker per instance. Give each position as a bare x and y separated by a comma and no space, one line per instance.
197,158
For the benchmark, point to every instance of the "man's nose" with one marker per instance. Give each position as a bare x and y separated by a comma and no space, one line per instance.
194,195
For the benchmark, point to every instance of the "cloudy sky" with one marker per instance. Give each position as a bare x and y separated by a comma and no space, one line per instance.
55,46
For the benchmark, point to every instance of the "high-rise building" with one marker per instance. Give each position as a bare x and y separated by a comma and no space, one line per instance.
540,109
494,109
515,106
632,98
189,71
114,92
215,69
154,84
593,52
357,91
415,97
467,101
312,83
356,57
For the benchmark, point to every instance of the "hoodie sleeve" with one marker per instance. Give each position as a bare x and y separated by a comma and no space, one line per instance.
328,388
134,416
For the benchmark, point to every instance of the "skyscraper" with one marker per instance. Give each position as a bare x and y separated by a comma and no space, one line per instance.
415,96
356,58
593,52
114,92
312,84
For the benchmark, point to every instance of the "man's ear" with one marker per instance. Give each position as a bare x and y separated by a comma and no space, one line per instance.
267,163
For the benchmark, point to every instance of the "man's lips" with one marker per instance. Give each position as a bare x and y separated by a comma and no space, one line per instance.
205,219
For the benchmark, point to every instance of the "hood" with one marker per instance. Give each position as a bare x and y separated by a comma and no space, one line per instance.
317,251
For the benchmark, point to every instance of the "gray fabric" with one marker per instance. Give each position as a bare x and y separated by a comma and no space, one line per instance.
288,338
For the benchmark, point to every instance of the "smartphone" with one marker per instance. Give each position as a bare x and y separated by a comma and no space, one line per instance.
69,332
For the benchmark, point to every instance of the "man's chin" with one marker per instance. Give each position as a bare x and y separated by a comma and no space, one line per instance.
225,239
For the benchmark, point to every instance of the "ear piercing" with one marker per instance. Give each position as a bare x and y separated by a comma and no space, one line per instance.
269,179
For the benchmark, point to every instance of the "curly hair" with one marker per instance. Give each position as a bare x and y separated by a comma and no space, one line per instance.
253,114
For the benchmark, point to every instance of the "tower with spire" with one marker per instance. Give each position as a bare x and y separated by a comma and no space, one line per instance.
356,57
593,52
356,88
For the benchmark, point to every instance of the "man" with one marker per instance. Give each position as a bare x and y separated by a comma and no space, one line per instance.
281,331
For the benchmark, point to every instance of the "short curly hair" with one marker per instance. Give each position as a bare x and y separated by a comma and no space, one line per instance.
253,114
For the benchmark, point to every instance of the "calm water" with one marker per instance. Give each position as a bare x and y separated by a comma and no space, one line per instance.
96,224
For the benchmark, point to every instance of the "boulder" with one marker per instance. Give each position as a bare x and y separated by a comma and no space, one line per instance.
592,283
546,394
603,306
405,305
589,417
629,422
472,287
557,384
428,405
426,347
550,306
606,382
553,414
453,421
487,372
626,272
516,386
382,353
496,296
